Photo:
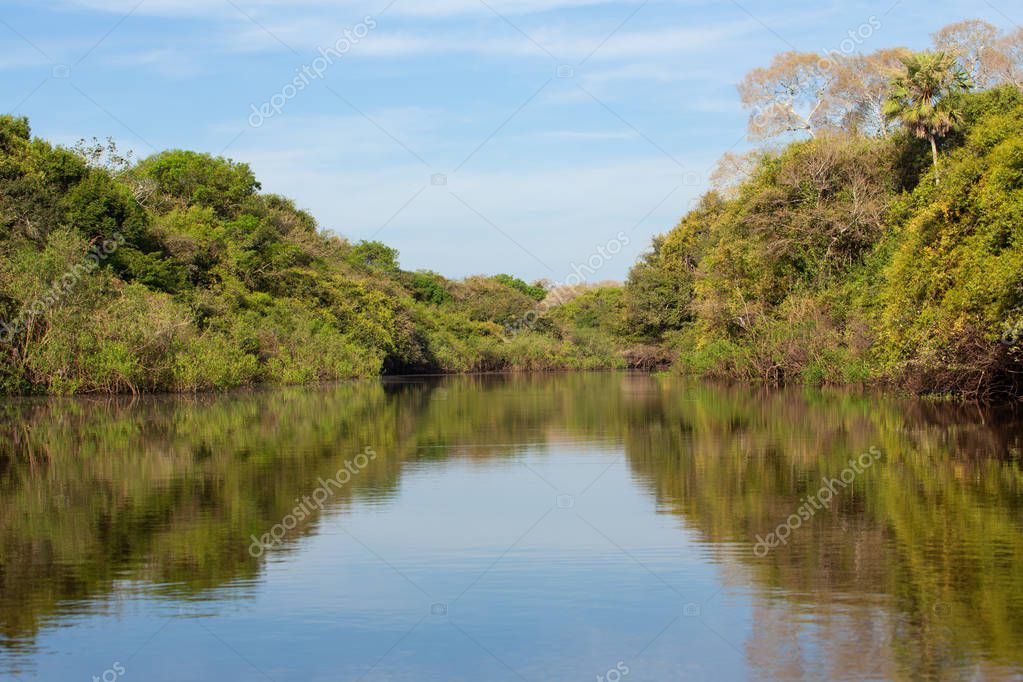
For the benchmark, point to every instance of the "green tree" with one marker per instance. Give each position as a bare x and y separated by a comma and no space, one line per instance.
659,291
202,179
922,97
428,287
373,255
534,291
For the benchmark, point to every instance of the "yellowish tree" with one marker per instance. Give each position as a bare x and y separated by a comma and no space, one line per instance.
975,45
862,85
792,95
733,169
1009,66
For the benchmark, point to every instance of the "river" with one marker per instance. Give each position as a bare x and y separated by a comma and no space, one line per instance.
587,526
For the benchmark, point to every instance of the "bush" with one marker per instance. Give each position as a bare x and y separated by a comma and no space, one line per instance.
428,287
956,270
213,362
827,264
534,291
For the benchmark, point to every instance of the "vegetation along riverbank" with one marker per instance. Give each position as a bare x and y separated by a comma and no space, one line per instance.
876,237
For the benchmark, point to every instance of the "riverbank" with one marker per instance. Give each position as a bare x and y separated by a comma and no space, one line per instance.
840,260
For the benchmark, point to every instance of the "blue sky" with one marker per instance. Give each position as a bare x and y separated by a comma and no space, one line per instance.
476,136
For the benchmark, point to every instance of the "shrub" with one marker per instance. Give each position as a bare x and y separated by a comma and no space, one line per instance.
213,362
534,291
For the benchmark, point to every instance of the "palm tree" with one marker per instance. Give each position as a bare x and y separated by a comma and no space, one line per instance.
922,96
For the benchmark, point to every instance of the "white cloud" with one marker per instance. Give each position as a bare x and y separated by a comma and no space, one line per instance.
203,8
175,63
586,135
416,8
651,70
18,62
713,105
642,43
568,44
256,25
331,140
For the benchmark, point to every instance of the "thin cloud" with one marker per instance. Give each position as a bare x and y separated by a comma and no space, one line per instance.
587,135
174,63
569,45
414,8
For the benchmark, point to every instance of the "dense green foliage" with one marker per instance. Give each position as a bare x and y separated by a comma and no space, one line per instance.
178,274
839,260
534,291
843,258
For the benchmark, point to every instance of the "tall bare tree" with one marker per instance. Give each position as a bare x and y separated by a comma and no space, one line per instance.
1010,58
862,85
975,46
792,95
733,169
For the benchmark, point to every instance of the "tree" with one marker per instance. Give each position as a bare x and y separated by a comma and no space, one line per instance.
428,287
806,92
108,157
660,288
105,155
185,178
974,43
733,169
921,98
374,256
1010,58
792,95
534,291
863,86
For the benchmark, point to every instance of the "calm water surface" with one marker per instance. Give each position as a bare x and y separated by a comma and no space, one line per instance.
570,527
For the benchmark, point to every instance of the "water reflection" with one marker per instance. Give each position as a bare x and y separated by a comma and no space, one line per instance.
117,509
